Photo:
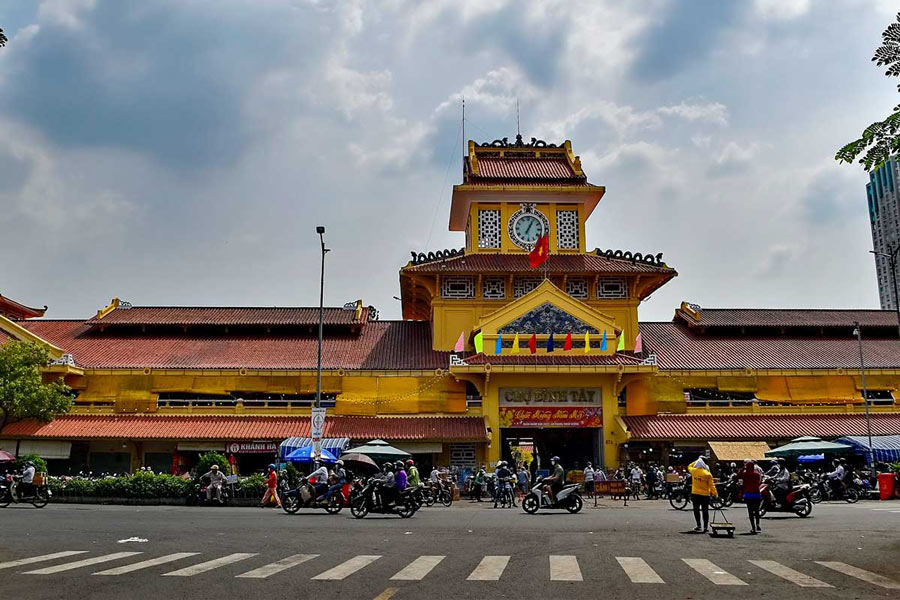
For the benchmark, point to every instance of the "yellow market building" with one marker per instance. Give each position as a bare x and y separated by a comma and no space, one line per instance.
491,354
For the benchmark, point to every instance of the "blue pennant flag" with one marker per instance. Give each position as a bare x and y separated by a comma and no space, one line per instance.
603,343
498,349
550,343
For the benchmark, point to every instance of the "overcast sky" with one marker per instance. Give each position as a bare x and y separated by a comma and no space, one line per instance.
183,152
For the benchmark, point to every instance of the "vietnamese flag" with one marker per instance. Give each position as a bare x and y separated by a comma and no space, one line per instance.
532,343
541,252
568,344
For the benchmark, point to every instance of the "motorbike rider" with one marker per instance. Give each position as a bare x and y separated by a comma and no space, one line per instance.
557,479
216,481
836,477
412,474
402,476
387,487
340,478
781,479
503,477
435,476
320,475
652,479
26,485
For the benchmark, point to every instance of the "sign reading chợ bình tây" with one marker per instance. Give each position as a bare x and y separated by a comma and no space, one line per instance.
551,407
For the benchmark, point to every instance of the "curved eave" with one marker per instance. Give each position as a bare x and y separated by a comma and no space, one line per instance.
27,312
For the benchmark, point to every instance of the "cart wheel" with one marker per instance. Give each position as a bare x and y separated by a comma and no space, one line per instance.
731,533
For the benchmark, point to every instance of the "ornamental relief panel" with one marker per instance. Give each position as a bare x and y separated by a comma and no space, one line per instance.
547,318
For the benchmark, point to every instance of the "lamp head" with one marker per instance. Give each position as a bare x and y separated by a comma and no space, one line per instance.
320,229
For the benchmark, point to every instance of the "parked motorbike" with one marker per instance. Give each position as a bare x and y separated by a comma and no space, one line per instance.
366,499
797,500
568,498
438,492
9,492
304,496
680,495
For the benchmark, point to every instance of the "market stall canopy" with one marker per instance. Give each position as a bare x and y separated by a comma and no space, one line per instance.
807,448
305,454
334,445
379,451
885,448
739,450
6,457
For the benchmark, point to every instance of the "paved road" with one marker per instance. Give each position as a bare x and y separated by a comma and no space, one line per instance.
467,551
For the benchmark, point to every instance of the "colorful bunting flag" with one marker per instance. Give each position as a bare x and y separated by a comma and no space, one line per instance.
479,342
532,343
515,348
621,346
638,344
550,343
568,344
498,348
603,343
587,342
461,342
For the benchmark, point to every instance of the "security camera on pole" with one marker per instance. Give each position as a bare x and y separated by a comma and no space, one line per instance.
317,419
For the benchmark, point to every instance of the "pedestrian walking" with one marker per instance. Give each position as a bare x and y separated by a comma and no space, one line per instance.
702,487
271,489
589,480
751,478
523,482
478,485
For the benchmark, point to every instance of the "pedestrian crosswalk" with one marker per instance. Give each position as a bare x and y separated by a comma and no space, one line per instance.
560,567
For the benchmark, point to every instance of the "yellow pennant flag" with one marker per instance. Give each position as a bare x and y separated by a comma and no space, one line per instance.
587,342
479,342
621,346
515,348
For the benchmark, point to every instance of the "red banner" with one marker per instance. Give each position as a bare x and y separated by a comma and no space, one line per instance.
568,416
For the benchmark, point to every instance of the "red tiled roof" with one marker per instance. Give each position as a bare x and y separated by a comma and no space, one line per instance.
757,427
574,357
152,427
17,310
511,167
556,263
222,315
789,317
678,347
391,345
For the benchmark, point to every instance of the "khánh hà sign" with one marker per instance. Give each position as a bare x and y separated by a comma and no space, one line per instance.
258,447
562,416
550,396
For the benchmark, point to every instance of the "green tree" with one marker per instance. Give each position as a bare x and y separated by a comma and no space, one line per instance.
880,140
23,394
3,39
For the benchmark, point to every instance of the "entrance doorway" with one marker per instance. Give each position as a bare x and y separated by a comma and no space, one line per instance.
574,446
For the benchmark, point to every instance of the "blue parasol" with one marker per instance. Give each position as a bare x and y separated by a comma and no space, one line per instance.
305,454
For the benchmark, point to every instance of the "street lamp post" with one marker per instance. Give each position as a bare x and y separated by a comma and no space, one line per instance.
321,231
857,331
892,259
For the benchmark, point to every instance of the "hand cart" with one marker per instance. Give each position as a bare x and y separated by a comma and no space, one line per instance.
720,526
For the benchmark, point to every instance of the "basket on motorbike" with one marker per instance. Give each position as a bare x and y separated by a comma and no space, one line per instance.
38,479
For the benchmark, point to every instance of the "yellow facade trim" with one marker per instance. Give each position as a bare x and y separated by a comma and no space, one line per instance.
20,333
113,305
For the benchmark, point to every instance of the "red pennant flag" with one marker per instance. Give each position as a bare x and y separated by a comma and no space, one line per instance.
532,343
568,344
541,251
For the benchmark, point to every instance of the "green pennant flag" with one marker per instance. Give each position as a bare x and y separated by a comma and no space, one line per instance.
479,342
619,348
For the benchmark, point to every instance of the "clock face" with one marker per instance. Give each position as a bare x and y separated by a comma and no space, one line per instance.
527,229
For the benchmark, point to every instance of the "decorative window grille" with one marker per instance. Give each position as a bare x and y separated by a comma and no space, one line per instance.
493,288
489,230
462,455
577,287
567,229
523,285
458,288
611,287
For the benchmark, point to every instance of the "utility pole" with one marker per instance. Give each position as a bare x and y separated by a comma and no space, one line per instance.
862,370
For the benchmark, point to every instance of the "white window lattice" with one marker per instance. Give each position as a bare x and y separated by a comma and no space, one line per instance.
567,229
523,285
577,287
611,287
493,288
458,288
489,230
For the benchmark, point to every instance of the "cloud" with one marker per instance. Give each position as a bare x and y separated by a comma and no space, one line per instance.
714,112
782,9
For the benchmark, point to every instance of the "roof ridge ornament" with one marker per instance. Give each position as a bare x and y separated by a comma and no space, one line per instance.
422,258
519,143
633,257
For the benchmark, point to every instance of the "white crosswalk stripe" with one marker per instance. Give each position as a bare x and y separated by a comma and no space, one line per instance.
489,569
347,568
146,564
87,562
638,570
418,569
790,574
715,574
279,566
861,574
564,568
42,558
210,565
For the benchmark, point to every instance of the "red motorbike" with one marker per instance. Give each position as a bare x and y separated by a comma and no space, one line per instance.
797,500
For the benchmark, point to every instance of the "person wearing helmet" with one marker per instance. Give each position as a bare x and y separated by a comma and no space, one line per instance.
836,477
387,488
25,488
557,478
216,481
413,474
337,480
319,478
402,477
782,481
504,476
271,489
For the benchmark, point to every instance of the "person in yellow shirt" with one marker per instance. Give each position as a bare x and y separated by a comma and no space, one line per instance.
702,487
